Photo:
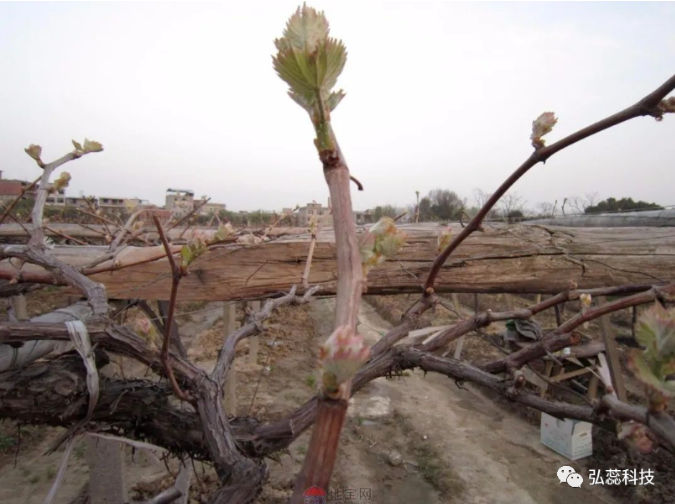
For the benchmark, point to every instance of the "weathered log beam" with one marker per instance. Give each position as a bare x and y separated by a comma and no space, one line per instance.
96,233
650,218
516,259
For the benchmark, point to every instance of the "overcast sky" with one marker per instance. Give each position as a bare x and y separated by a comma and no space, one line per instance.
438,95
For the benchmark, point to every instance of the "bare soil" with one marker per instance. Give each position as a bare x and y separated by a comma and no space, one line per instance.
608,451
415,438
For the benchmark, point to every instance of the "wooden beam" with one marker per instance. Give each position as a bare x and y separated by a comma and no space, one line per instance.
562,376
460,341
230,392
19,306
612,355
514,259
106,471
254,341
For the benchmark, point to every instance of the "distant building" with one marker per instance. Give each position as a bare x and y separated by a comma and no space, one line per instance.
10,189
288,217
363,216
304,215
145,216
132,204
77,202
57,198
315,211
209,208
180,201
107,202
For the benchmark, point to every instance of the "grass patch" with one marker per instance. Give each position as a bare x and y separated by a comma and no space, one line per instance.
79,450
436,471
6,442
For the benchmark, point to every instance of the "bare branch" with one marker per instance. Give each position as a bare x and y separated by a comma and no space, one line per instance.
486,318
43,189
252,327
558,339
310,254
11,206
167,496
177,273
359,185
647,106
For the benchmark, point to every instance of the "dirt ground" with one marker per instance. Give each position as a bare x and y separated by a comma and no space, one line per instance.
608,451
414,438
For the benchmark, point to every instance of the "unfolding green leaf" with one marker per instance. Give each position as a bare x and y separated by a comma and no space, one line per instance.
655,365
305,30
62,181
381,241
643,371
390,245
541,126
334,99
78,145
656,332
34,151
306,102
92,146
186,254
444,238
336,57
341,356
309,61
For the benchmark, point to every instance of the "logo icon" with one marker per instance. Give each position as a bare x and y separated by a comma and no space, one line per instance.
569,475
314,495
575,480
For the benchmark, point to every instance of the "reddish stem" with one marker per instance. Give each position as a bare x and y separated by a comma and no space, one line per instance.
177,274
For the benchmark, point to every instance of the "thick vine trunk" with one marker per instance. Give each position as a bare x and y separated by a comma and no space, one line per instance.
12,357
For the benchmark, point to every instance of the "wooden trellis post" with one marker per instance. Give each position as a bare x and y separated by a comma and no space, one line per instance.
19,305
612,355
230,325
254,342
460,341
509,301
106,471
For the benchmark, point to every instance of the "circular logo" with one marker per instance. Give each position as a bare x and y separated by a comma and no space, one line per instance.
314,495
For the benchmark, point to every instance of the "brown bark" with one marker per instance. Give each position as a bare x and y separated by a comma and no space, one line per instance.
55,393
515,259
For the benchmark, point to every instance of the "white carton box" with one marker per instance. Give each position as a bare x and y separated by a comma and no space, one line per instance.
570,438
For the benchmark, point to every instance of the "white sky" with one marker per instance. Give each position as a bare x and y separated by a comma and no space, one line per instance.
438,95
